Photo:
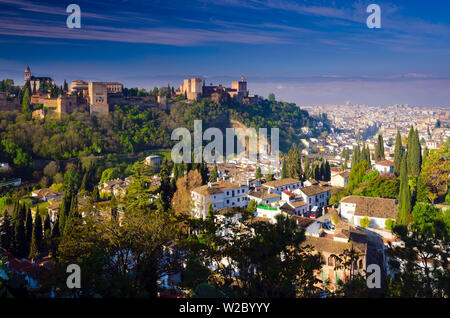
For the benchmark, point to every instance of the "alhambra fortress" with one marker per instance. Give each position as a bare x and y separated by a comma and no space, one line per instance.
98,97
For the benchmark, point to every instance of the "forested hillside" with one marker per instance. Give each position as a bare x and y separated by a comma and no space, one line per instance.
136,128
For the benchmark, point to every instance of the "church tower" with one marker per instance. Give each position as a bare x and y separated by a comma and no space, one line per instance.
27,74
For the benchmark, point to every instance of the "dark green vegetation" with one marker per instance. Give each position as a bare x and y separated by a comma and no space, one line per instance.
131,129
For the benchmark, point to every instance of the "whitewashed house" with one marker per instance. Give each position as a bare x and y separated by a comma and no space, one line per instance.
378,210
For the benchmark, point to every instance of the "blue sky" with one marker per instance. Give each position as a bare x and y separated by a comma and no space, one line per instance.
309,52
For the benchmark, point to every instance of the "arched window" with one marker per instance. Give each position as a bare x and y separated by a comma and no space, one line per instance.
330,261
360,263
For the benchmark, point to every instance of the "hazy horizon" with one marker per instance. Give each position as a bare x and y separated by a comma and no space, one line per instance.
309,52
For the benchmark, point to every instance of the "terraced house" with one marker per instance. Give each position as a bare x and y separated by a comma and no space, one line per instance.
219,195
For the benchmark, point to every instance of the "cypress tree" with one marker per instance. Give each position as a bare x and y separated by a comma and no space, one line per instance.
26,103
421,191
20,242
379,149
356,156
203,170
398,153
258,173
426,152
165,187
28,227
214,174
410,149
34,248
307,168
38,228
6,232
327,176
95,195
283,169
113,206
47,231
404,200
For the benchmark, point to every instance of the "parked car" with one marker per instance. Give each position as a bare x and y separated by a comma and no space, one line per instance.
328,226
314,212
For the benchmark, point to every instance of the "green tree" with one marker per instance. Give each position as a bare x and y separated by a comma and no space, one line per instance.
34,249
422,191
20,240
398,153
364,222
379,149
404,199
28,227
26,109
414,153
214,175
166,193
258,173
6,232
272,97
284,169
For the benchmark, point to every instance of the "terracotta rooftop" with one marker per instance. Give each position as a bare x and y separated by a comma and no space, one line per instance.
302,222
263,194
386,163
281,182
314,190
217,187
323,244
373,207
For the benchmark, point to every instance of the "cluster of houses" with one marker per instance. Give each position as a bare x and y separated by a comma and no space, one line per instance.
329,230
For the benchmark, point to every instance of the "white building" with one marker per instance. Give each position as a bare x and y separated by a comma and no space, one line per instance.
263,196
153,160
378,210
385,166
315,195
340,180
219,195
277,186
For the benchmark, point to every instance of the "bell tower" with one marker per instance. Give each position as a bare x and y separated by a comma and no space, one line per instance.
27,74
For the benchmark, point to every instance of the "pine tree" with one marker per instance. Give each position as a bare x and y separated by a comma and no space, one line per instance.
66,87
404,200
398,153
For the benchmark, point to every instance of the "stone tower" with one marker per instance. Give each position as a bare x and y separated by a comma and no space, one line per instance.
27,74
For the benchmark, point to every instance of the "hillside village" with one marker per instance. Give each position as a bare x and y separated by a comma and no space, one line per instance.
344,193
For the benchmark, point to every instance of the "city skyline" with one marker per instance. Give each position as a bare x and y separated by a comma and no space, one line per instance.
307,52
